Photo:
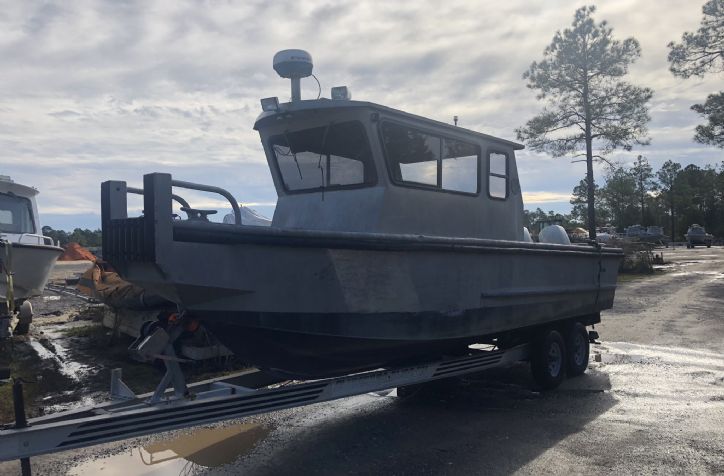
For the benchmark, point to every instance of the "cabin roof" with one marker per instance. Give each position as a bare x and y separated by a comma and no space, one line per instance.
8,186
324,103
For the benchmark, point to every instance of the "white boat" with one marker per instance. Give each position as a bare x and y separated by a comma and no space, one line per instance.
26,255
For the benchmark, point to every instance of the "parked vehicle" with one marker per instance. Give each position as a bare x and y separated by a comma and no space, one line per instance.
697,235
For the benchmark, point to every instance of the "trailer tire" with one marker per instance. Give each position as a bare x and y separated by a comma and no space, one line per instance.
548,360
577,350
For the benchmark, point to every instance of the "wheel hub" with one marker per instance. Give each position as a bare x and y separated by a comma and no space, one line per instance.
554,359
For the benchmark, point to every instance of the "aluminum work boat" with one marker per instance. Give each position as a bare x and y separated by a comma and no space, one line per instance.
395,238
26,256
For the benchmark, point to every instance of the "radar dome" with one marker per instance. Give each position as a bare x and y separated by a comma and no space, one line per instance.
293,64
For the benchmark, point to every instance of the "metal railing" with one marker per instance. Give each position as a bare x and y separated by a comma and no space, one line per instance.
202,188
39,239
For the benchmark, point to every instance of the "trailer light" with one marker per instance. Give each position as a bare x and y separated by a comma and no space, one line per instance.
341,92
270,104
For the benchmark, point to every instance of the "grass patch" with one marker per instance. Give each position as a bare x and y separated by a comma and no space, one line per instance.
628,277
91,331
40,377
95,347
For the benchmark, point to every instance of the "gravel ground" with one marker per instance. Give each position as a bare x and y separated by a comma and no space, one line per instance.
651,402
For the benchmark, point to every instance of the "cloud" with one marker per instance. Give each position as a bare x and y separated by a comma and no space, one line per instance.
545,197
96,90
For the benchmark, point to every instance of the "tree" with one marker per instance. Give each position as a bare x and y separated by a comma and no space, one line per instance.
667,178
644,175
700,53
579,200
58,236
588,103
620,195
83,237
711,133
703,51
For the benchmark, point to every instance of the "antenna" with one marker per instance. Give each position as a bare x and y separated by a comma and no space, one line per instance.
295,65
455,119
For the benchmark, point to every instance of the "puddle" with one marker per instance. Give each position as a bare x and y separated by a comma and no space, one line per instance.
717,274
622,359
66,366
184,454
84,401
664,266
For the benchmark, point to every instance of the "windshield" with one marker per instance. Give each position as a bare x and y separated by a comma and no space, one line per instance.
327,157
15,214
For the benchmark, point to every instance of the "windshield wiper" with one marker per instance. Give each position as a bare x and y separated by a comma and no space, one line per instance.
321,153
294,155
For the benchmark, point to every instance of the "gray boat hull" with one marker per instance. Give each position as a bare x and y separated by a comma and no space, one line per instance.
312,304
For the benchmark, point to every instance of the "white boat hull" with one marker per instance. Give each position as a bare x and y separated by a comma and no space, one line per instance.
31,266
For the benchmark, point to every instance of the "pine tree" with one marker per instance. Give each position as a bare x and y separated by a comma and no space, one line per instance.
588,105
700,53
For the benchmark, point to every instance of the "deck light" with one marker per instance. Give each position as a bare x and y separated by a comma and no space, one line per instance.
341,92
270,104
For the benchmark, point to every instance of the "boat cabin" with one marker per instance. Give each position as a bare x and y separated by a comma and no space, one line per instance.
19,222
343,165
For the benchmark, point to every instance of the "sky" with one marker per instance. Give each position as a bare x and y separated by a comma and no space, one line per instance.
98,90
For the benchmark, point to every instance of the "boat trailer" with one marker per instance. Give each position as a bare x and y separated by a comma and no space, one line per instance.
243,394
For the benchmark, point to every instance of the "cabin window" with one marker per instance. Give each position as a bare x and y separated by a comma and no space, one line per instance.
413,156
15,214
460,166
419,159
498,175
332,156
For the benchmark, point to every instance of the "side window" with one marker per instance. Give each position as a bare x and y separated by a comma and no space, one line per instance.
417,158
460,166
498,175
15,214
413,155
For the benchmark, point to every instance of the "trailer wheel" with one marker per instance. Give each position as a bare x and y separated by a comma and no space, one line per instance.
25,317
548,360
578,348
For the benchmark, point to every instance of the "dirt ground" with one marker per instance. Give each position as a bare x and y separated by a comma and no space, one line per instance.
67,357
652,402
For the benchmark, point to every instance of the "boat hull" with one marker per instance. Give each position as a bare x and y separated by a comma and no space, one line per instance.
31,266
294,352
319,304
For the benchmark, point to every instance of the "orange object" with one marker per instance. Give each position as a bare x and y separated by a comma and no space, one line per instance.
75,252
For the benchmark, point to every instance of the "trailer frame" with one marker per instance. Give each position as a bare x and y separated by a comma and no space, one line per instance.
243,394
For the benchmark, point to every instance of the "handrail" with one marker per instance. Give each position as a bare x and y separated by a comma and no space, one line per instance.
180,200
44,240
202,188
212,189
